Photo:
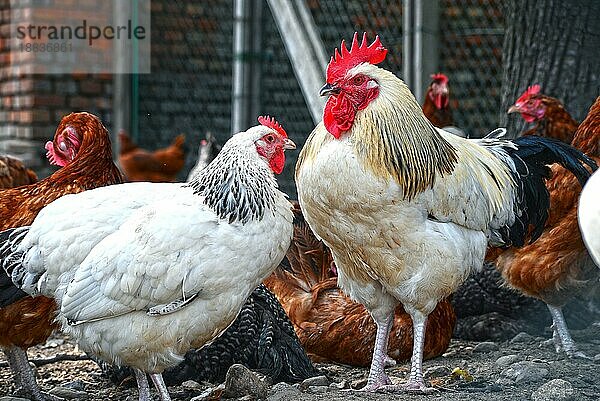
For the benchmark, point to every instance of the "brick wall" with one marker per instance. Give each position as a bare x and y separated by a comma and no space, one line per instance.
32,105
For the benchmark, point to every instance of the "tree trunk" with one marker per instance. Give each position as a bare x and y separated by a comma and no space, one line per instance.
554,43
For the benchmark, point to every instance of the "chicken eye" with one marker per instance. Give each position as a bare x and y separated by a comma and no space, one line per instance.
358,80
270,138
62,146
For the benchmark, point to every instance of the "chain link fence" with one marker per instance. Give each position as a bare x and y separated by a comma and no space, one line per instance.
190,87
471,34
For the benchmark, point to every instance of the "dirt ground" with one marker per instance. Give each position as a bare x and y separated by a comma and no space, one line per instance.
528,364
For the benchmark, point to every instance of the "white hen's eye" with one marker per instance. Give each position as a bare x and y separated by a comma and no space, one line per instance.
358,80
270,138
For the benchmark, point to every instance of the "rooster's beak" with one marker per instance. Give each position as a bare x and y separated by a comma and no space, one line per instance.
289,144
329,89
513,109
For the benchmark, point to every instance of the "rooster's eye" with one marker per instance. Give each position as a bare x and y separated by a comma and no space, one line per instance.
358,80
62,146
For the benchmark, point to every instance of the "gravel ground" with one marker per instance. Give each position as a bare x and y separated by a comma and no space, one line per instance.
523,368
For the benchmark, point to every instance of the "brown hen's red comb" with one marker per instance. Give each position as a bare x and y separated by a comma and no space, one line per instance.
532,90
439,77
270,122
345,59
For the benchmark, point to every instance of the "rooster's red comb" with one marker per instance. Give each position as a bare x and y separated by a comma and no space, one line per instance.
439,77
270,122
345,59
532,90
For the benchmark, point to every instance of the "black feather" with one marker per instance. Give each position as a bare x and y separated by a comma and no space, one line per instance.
262,338
10,264
532,157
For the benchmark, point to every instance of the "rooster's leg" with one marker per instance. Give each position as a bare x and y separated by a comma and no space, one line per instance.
415,380
159,383
143,387
24,378
377,377
560,334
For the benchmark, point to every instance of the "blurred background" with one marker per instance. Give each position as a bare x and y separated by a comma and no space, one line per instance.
217,64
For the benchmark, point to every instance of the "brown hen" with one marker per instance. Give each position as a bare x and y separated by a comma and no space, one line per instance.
551,118
13,173
557,266
436,106
330,326
82,145
161,165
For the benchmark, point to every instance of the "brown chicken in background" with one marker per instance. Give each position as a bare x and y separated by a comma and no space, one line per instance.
557,266
551,118
161,165
13,173
437,102
82,147
330,326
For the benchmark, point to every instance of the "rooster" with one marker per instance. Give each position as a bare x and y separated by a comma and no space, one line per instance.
13,173
143,272
81,146
557,266
162,165
408,209
332,327
550,116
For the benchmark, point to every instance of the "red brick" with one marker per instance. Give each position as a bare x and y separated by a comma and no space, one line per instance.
48,100
90,87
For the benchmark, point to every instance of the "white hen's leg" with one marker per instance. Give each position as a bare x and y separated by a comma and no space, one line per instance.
159,383
560,334
143,387
377,376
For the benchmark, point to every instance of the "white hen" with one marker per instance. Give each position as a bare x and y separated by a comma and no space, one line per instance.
143,272
589,216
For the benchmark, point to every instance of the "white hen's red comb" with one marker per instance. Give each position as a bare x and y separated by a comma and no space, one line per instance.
270,122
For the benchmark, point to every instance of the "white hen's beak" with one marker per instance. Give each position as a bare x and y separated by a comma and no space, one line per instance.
289,144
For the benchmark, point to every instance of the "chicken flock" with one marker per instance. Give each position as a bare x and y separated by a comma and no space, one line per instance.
396,208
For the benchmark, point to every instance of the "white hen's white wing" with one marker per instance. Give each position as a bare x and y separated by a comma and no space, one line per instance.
145,263
83,220
589,216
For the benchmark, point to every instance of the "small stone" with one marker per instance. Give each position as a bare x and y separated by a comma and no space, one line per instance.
437,371
506,360
191,385
449,354
78,385
554,390
241,381
9,398
315,381
486,346
67,393
525,372
597,357
54,343
317,389
282,392
358,384
338,386
522,337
